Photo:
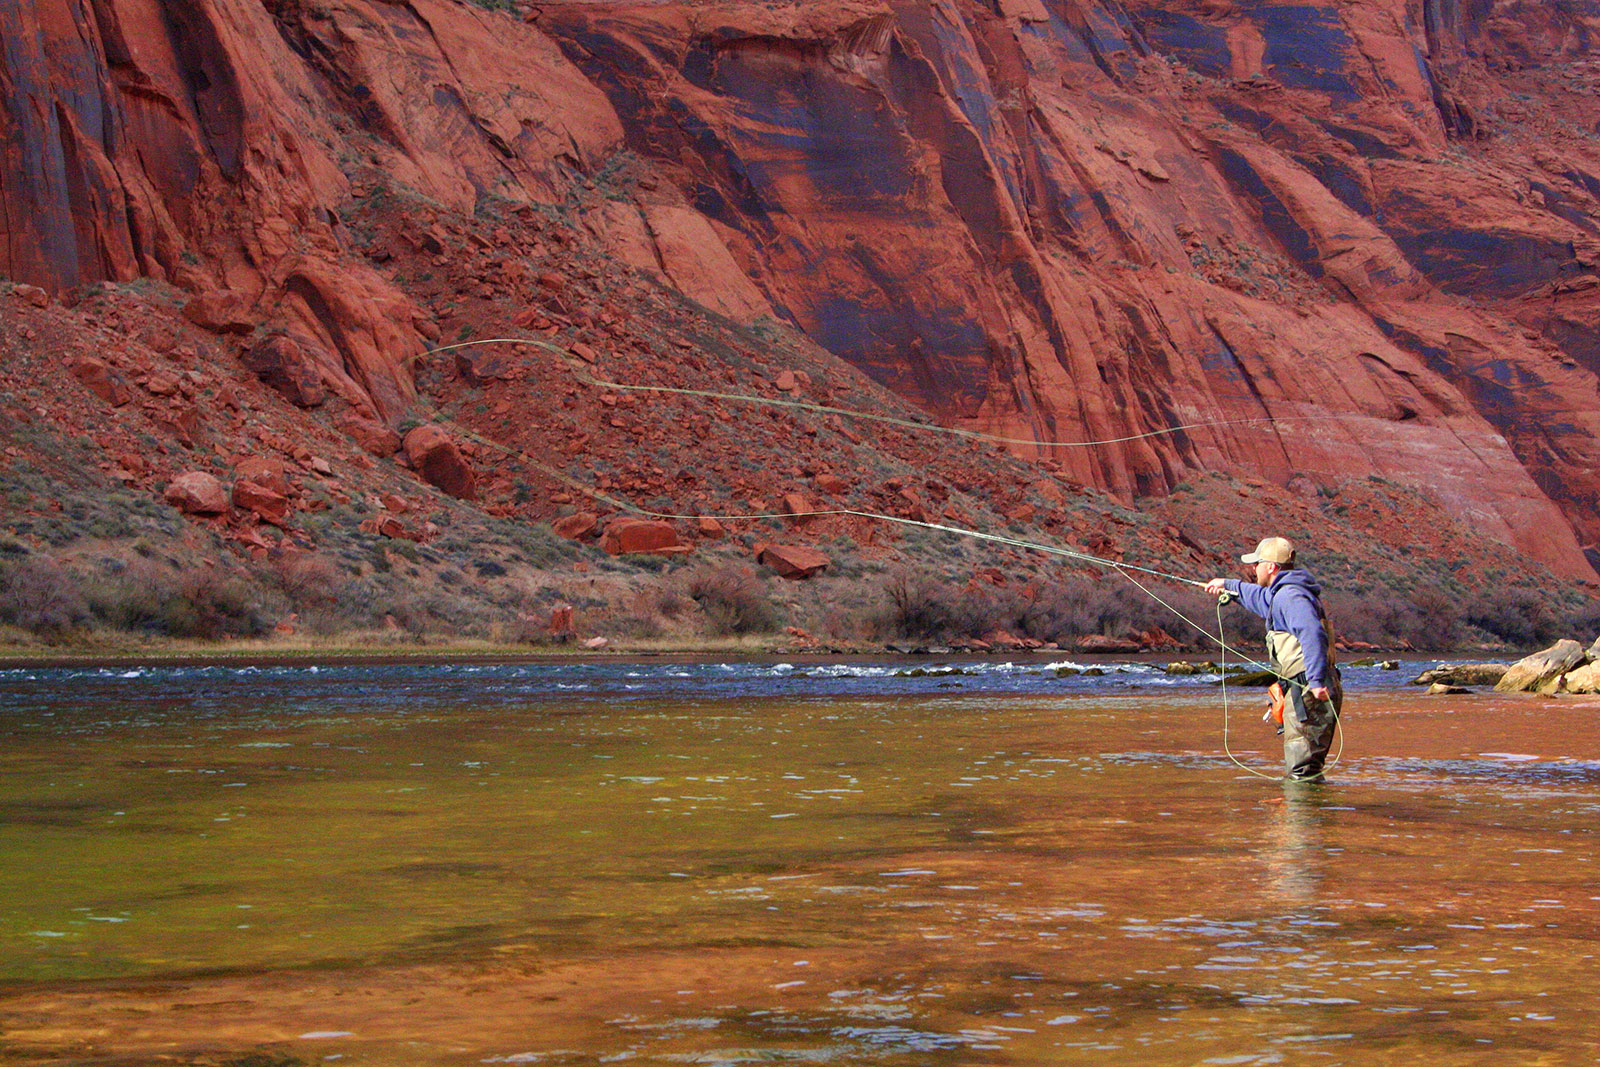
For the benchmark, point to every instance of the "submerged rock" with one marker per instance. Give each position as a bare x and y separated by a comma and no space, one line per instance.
1185,668
1260,679
931,672
1463,674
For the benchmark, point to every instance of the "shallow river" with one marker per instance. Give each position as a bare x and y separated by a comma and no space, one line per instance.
810,863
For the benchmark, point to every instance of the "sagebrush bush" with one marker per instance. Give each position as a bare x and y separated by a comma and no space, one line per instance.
42,596
923,605
1113,607
661,600
918,605
196,601
732,598
1516,616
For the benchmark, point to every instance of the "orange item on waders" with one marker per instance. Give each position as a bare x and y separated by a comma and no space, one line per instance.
1276,700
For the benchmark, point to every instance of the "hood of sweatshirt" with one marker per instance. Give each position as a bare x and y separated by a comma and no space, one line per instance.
1300,578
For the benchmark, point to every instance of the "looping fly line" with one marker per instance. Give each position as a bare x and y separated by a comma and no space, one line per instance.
1125,569
865,416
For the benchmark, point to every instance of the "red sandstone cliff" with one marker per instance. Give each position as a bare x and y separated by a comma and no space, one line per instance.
1348,239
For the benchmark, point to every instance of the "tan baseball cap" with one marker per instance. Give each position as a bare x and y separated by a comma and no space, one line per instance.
1271,550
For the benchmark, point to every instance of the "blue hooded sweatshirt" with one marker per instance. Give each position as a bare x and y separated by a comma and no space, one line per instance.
1291,604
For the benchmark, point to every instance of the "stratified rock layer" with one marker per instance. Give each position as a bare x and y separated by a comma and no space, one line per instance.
1072,221
1302,240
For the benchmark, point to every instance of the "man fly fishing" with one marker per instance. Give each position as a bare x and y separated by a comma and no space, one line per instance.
1300,643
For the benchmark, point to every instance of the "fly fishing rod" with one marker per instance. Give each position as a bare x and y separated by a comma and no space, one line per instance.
1127,570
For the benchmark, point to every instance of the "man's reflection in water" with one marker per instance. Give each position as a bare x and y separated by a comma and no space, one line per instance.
1294,851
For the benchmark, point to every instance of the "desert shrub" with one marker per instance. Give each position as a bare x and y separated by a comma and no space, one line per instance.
918,605
309,580
1063,610
1516,616
319,590
633,624
413,615
1380,618
661,600
199,602
361,602
1438,618
1075,607
923,605
1582,623
42,596
733,599
543,547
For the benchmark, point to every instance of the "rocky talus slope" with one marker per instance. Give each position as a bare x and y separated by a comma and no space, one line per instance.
1349,246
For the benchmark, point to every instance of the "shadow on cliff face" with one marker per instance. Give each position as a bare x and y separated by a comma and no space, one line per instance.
1067,222
1308,135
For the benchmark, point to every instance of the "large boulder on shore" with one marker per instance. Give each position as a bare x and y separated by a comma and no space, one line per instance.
1104,644
1543,671
1463,674
1584,679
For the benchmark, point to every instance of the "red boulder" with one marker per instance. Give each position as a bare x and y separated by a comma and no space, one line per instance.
798,507
288,364
105,383
219,312
197,493
627,536
579,527
831,484
795,562
435,456
266,473
262,502
374,438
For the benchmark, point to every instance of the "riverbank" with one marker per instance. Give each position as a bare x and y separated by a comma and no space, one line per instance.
377,650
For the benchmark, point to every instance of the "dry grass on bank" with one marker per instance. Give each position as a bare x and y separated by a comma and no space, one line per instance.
125,600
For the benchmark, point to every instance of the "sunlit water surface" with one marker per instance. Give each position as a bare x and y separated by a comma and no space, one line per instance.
814,863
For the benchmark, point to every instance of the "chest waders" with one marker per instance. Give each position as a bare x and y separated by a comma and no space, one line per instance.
1308,723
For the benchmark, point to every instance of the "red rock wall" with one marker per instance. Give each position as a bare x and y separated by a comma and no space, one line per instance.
210,142
1332,239
1317,229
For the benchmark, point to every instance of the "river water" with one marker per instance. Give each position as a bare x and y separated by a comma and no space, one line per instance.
818,863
